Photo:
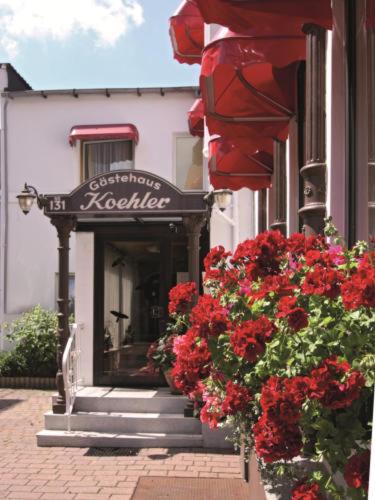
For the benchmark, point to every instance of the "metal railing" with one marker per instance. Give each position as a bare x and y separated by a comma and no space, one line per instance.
71,369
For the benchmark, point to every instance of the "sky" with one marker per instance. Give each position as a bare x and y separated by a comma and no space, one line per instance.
65,44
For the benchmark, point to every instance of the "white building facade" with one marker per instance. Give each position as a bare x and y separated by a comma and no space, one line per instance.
120,267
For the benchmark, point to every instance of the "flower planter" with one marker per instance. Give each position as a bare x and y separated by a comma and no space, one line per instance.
28,382
170,382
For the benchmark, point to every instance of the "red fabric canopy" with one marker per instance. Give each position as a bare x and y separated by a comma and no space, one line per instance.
187,33
196,118
249,84
284,17
103,132
231,168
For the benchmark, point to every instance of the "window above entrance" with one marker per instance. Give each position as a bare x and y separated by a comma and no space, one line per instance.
105,148
188,162
100,157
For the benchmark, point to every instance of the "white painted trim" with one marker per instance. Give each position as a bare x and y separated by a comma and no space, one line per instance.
84,303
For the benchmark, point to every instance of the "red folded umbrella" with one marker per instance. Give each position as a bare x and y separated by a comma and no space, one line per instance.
186,29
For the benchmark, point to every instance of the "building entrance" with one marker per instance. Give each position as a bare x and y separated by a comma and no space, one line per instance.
134,271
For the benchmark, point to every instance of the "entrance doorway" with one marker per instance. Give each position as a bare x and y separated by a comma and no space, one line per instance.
135,267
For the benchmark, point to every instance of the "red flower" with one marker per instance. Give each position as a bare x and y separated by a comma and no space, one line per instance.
357,470
209,317
249,339
237,398
281,399
323,281
192,363
215,257
334,386
296,316
307,491
275,441
180,297
262,255
212,412
359,289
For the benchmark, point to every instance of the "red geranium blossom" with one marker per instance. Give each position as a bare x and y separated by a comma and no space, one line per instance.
212,412
262,255
334,385
192,361
215,256
249,339
209,317
307,491
359,289
281,399
323,281
357,470
237,398
296,316
276,441
180,297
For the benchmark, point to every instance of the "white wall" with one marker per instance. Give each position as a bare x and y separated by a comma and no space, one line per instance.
39,153
84,305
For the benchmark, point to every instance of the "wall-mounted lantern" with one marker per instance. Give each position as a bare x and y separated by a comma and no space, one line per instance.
220,197
26,198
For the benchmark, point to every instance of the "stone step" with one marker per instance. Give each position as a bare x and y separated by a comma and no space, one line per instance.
82,439
123,400
170,423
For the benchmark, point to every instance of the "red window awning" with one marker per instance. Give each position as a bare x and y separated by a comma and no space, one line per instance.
103,132
249,84
268,16
186,30
232,168
196,118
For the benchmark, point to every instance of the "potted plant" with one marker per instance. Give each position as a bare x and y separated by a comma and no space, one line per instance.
283,348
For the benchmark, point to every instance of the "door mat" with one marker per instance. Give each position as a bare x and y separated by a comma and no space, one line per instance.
178,488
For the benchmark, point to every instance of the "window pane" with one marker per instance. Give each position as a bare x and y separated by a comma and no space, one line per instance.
101,157
189,163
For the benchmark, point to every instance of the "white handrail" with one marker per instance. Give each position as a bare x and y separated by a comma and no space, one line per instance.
71,369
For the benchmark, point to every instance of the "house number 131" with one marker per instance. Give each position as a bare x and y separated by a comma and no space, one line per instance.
56,205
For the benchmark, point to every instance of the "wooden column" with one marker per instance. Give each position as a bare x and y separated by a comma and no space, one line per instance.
64,226
371,130
193,225
313,172
279,187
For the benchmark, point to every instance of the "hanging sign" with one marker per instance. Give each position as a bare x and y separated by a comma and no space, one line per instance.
125,192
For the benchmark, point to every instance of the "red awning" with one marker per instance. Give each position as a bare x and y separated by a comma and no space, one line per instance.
103,132
231,168
284,17
249,84
187,33
196,118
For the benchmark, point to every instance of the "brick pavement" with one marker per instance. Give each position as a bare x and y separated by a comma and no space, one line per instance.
28,472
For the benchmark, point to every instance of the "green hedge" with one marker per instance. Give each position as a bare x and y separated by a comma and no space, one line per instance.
34,338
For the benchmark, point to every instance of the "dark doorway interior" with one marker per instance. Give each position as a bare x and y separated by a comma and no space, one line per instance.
135,267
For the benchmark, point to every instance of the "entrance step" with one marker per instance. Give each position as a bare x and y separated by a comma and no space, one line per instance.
122,400
125,423
82,439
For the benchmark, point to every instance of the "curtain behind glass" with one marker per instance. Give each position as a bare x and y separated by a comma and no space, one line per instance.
101,157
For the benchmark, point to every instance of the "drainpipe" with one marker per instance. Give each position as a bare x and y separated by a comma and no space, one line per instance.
3,210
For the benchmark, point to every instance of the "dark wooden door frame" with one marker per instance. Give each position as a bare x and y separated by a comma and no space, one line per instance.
123,232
